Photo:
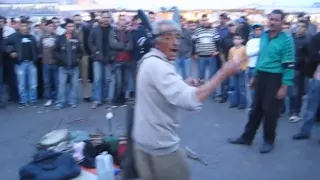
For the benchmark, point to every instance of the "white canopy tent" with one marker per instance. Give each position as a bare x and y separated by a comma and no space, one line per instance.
287,5
205,4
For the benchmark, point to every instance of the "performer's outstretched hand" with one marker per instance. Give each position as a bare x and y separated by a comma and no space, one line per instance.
230,67
193,82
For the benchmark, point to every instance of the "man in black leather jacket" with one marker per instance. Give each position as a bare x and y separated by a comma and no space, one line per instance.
22,49
296,92
68,53
312,71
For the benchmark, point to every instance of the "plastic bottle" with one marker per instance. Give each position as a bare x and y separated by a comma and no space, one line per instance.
109,117
104,166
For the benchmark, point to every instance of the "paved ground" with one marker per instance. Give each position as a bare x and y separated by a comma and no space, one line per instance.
205,132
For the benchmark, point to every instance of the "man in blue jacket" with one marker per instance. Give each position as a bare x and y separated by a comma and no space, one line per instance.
141,41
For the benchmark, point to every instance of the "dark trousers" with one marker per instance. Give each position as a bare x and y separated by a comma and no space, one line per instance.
40,86
1,86
265,106
296,94
121,76
10,78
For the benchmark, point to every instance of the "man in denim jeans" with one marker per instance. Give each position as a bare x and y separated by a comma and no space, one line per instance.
226,44
184,55
297,90
311,70
206,40
49,65
123,61
22,48
102,44
68,53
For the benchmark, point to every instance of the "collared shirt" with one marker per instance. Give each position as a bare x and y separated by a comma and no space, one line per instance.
277,55
161,93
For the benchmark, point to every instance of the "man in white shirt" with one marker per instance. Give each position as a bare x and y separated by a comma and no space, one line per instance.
252,50
160,93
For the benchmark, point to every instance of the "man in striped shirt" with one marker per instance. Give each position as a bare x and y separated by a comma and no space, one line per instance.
205,39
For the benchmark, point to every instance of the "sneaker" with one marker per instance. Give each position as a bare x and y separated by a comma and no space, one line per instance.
241,107
33,104
223,100
87,99
48,103
58,107
73,105
95,105
2,106
233,106
301,136
23,105
294,119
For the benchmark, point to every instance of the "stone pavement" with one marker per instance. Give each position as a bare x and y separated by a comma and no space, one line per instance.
205,132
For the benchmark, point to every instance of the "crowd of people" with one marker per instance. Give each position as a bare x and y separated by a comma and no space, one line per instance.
272,62
249,66
51,60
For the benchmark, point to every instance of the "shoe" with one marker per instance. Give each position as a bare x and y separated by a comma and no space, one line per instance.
223,100
2,106
87,99
294,119
48,103
266,148
95,105
239,141
58,107
232,106
23,105
132,95
301,136
33,104
73,105
241,107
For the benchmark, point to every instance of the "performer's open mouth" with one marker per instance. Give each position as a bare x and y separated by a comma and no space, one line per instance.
174,50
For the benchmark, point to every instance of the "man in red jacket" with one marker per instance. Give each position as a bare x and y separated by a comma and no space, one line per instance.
123,61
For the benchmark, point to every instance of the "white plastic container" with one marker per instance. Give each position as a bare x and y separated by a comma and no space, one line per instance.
104,166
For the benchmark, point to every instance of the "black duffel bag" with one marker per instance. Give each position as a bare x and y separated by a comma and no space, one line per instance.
127,161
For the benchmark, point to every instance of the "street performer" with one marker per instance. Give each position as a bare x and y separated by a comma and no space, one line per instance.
161,92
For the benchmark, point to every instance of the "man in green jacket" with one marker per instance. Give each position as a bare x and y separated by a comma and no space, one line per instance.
274,72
